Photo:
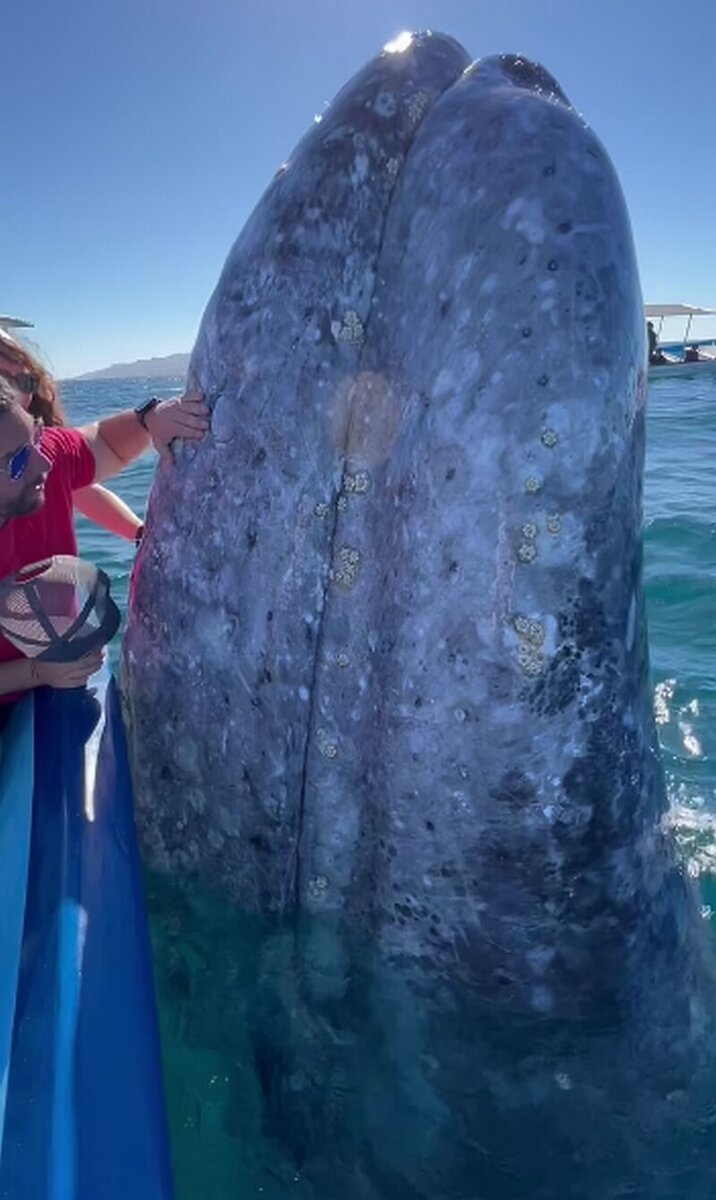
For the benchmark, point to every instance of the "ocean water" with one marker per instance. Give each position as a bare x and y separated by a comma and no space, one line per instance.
201,981
84,402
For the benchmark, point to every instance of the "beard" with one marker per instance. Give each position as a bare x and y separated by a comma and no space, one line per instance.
30,499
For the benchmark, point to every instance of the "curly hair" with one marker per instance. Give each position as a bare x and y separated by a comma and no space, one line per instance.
45,402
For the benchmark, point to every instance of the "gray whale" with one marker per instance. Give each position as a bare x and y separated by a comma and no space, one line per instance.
386,667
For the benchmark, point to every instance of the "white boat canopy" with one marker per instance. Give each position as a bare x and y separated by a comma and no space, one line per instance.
684,312
677,310
14,323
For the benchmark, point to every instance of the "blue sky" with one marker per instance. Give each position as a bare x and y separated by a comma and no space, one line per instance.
138,135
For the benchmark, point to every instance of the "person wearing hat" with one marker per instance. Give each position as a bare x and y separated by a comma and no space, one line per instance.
41,471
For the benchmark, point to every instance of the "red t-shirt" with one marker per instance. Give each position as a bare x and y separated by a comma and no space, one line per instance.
50,530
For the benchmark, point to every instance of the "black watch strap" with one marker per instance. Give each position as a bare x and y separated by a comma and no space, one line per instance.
143,410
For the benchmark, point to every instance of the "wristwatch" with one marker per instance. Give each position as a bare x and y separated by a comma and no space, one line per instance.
144,410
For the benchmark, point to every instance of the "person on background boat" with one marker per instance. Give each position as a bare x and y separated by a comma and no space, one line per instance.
692,354
41,471
657,358
651,334
39,395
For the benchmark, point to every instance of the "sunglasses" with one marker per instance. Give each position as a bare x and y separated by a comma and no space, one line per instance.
24,381
17,463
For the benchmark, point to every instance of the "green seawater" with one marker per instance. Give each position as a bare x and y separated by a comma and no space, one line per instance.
204,978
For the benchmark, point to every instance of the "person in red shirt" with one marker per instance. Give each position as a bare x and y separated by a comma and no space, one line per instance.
40,469
40,396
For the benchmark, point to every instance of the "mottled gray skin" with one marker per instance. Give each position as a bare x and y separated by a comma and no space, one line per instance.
387,662
230,584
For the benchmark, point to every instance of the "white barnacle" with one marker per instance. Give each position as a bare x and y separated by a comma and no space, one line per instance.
533,484
529,629
342,504
342,660
527,552
326,747
357,484
317,887
392,167
548,438
346,567
321,510
351,329
529,531
554,523
416,106
531,660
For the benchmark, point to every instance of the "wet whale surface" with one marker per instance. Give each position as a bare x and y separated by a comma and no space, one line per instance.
387,667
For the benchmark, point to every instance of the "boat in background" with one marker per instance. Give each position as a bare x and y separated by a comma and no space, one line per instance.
673,349
8,323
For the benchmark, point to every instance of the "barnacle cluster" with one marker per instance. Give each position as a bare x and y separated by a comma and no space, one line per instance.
346,567
326,747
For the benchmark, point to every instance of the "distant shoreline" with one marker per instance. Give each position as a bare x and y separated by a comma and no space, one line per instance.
141,368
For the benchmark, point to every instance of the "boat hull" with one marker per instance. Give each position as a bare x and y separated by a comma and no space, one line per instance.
85,1115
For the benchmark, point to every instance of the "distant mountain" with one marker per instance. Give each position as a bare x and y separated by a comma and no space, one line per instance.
143,368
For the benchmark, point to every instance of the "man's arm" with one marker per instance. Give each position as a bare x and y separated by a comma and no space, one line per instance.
16,676
108,511
118,440
23,674
115,442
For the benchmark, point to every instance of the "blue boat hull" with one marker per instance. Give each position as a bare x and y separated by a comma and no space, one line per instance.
84,1113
